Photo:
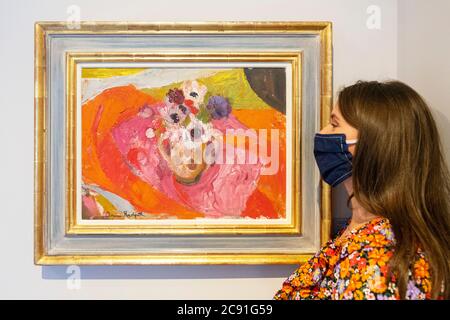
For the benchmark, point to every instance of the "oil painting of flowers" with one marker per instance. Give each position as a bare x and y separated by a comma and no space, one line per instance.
180,143
183,143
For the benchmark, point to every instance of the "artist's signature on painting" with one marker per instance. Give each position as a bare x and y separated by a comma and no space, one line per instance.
127,214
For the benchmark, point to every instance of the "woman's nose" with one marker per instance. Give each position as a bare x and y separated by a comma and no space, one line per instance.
326,129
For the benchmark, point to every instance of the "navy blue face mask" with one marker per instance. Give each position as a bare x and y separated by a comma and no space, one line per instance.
332,157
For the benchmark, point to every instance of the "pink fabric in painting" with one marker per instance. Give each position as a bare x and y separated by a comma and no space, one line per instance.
222,190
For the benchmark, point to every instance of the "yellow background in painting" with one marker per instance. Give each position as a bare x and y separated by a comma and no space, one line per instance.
108,72
230,84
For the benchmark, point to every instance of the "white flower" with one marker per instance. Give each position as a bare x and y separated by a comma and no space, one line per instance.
149,133
348,295
173,114
197,133
194,91
370,296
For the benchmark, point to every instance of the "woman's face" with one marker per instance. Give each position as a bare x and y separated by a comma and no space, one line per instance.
338,124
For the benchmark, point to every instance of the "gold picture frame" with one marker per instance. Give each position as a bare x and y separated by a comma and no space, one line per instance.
46,252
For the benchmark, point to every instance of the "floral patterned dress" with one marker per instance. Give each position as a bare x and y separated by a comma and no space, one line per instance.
356,267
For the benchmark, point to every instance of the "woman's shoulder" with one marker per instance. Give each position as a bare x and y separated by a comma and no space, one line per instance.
366,256
375,234
357,268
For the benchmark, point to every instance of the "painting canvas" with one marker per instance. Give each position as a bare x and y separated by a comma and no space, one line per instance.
183,143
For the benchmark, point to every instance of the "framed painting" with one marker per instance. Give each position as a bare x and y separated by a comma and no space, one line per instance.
180,143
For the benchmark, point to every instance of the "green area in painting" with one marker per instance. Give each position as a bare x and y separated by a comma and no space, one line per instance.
231,84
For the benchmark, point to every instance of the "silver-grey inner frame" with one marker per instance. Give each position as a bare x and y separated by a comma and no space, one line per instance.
58,243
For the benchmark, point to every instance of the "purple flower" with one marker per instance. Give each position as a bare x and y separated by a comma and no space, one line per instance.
175,96
412,292
219,107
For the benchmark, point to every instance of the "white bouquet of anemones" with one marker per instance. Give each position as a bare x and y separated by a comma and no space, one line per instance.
187,128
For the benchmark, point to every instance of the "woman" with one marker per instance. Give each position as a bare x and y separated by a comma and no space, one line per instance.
383,145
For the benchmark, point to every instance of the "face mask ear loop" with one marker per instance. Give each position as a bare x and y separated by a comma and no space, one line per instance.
351,141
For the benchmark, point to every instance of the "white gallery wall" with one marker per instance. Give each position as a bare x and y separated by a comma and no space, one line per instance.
362,50
423,56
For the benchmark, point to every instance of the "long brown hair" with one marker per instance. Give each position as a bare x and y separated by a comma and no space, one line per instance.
399,173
